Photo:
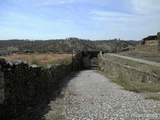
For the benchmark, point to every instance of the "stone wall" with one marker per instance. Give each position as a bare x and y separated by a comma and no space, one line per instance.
22,85
1,85
158,37
131,73
77,61
147,49
151,42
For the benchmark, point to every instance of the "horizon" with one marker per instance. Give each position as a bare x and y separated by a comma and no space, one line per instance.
65,39
93,20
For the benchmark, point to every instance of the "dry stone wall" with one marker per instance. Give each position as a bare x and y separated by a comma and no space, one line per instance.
147,49
150,45
1,85
22,85
158,37
131,73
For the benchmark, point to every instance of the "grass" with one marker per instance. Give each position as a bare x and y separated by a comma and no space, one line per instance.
141,66
154,97
134,86
42,59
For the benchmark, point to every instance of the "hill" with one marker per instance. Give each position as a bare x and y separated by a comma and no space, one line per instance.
62,45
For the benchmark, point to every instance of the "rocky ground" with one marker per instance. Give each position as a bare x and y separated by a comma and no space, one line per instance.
90,96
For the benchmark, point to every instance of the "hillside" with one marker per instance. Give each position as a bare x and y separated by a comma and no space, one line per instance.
62,45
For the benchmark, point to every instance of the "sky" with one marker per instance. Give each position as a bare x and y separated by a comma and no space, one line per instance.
86,19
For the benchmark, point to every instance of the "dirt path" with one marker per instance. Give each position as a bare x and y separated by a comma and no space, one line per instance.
90,96
136,59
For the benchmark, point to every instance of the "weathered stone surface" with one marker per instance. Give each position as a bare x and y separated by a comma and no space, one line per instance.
1,96
1,82
1,74
2,61
49,66
9,63
34,66
158,35
147,49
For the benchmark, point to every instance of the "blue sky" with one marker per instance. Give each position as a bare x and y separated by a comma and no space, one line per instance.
88,19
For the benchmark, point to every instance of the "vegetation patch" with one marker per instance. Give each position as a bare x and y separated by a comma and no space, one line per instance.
134,86
141,66
154,97
42,59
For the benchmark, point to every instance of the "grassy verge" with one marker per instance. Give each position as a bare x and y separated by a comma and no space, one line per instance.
134,86
144,67
153,97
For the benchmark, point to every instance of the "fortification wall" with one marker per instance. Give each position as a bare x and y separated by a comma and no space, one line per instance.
147,49
22,85
131,73
1,85
158,37
151,42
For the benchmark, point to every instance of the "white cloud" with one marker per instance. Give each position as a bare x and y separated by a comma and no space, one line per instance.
148,13
111,16
146,6
57,2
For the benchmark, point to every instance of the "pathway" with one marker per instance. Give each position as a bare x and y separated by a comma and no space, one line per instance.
136,60
90,96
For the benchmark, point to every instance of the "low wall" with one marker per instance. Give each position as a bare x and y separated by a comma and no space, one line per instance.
131,73
22,85
77,61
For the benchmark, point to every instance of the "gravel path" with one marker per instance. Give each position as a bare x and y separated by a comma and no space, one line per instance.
136,59
90,96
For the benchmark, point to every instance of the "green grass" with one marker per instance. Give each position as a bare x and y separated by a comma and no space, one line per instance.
134,86
154,97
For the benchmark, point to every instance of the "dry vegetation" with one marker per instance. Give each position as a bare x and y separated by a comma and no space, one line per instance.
141,66
135,86
40,58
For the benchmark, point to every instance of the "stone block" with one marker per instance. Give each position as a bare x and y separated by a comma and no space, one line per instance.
1,82
1,74
158,35
2,61
2,96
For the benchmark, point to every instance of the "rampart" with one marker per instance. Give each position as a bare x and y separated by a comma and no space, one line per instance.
150,44
23,85
131,73
147,49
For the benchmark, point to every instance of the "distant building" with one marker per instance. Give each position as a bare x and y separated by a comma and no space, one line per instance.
150,44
